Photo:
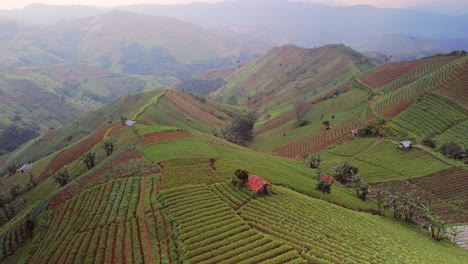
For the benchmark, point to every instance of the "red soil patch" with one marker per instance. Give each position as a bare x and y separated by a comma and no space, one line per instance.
390,72
69,155
393,110
165,136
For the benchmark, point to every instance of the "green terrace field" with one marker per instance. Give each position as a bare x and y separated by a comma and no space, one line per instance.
431,116
179,109
282,136
381,160
285,74
396,101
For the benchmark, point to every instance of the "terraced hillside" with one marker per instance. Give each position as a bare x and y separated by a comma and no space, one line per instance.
285,74
184,210
166,195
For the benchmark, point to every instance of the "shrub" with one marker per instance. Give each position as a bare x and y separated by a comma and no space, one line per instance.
452,150
429,142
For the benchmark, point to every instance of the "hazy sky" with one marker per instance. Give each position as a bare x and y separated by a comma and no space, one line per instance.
12,4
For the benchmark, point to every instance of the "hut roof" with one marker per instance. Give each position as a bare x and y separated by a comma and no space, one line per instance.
327,178
405,143
129,122
256,183
25,167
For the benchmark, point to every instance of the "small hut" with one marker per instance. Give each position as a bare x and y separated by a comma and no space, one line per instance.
25,167
406,144
129,123
257,184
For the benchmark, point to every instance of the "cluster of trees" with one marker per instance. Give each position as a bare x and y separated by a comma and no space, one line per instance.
203,87
13,135
15,191
410,206
239,130
451,149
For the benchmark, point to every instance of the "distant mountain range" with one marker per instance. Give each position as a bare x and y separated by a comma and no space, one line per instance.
50,75
305,24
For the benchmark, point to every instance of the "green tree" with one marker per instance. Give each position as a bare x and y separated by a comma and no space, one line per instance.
242,176
379,197
4,206
108,146
324,187
356,180
89,159
33,180
15,190
300,109
393,202
344,172
61,177
12,168
239,130
362,191
314,161
409,205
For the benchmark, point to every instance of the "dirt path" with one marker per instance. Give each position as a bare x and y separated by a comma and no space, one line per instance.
145,233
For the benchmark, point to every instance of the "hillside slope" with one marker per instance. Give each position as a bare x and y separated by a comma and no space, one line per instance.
165,192
158,199
164,46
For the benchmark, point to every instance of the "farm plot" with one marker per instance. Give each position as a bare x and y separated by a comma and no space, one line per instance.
14,234
431,116
394,102
326,233
450,184
73,153
166,113
156,137
314,143
407,164
231,195
179,172
126,164
189,147
211,232
456,89
389,72
116,222
427,66
457,134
